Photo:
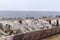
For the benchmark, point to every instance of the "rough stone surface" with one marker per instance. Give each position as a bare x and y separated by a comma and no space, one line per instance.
18,37
32,36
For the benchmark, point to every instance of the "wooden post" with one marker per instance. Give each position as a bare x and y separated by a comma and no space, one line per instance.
57,23
49,21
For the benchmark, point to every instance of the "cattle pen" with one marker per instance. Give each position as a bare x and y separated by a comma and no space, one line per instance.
36,34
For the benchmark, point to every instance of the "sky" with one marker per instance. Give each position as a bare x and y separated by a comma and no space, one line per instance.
30,5
13,8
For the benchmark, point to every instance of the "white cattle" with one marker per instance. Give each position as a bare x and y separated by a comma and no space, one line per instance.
53,22
26,25
30,24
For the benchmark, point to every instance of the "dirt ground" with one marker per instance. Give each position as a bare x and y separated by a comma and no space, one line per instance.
55,37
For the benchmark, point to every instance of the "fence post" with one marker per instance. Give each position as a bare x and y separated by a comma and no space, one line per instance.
57,23
49,21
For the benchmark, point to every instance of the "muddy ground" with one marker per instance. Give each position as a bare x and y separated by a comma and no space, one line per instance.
54,37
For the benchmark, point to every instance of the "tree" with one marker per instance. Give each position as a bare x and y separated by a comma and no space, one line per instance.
44,17
27,18
57,16
31,17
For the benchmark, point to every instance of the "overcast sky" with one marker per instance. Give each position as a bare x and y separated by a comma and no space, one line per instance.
12,8
30,5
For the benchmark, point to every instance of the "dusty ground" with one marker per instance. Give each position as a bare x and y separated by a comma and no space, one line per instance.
55,37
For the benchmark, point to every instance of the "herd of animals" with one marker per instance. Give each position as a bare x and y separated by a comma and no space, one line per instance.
9,27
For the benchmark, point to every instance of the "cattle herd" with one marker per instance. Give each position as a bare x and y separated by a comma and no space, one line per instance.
25,29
